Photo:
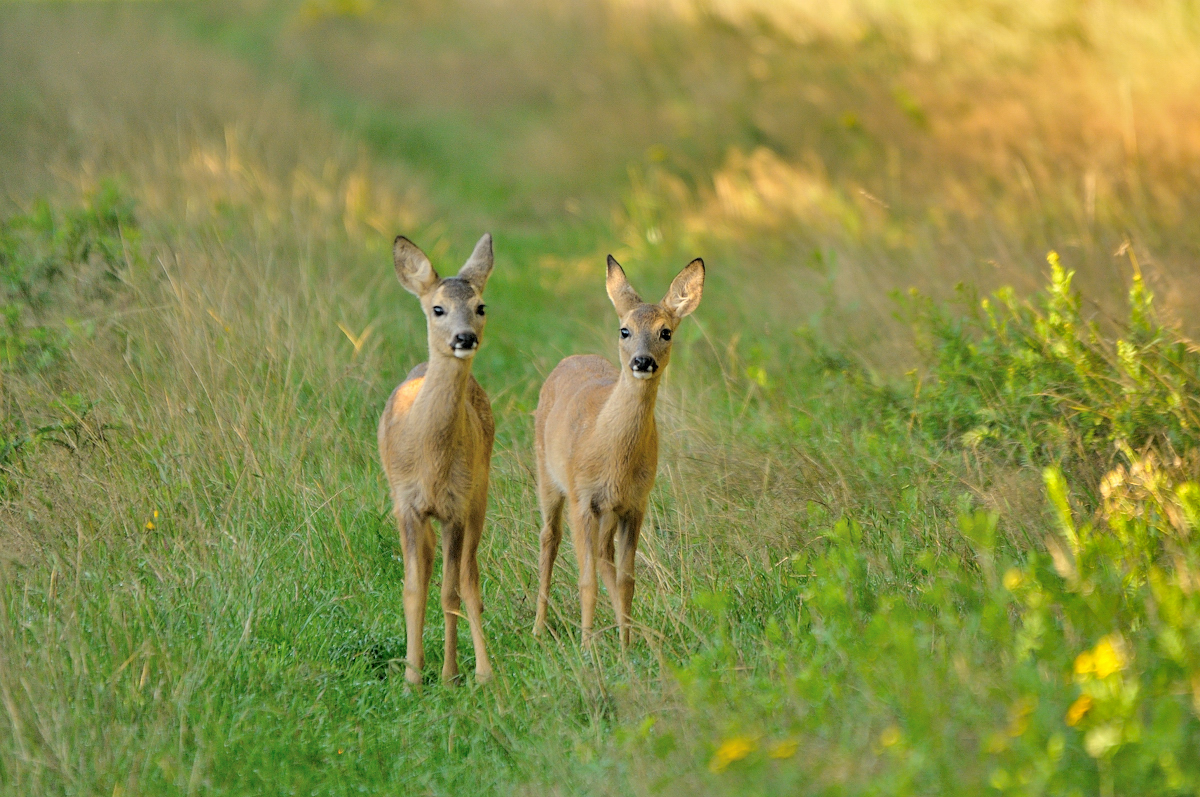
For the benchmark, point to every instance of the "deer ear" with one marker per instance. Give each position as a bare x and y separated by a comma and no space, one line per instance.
684,294
622,294
413,268
479,265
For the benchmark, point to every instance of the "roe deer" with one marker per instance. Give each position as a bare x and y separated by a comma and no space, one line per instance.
597,445
435,440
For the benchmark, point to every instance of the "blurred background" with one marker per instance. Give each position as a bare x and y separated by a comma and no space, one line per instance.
820,154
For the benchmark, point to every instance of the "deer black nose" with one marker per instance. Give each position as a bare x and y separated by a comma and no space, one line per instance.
466,340
643,364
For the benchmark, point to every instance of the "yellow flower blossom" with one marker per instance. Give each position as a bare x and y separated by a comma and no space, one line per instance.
1012,579
1078,709
1103,660
890,736
732,749
1107,657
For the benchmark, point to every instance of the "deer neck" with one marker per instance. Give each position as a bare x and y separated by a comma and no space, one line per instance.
441,404
628,414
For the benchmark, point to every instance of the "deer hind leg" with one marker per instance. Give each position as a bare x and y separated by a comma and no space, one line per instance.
584,530
418,544
468,581
629,528
605,561
552,508
452,544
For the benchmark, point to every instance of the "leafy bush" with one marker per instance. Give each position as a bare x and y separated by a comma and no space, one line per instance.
1070,668
1115,610
1035,380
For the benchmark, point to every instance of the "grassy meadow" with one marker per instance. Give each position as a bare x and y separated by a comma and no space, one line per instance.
929,484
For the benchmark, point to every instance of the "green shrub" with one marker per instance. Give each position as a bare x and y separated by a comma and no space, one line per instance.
1035,380
1112,614
1072,667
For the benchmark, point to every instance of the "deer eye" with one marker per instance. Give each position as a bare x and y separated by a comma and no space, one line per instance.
624,332
438,310
479,309
665,334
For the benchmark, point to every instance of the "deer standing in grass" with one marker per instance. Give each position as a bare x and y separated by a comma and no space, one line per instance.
597,446
435,440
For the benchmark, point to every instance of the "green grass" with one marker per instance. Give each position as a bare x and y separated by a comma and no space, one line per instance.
894,544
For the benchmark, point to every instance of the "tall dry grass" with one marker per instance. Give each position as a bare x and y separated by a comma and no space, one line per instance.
843,151
216,324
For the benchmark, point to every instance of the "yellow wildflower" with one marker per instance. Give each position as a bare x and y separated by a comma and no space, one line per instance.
1012,579
733,749
150,524
890,736
1103,660
1107,657
1078,709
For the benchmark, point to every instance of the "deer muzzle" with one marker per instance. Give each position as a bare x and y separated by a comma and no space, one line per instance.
464,344
643,367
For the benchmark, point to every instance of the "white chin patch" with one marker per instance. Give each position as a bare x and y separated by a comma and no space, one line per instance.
464,354
641,374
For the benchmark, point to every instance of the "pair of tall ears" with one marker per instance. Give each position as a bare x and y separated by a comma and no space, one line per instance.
417,275
682,297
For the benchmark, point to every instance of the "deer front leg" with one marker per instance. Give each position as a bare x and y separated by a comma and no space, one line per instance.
418,544
605,558
629,528
552,507
468,580
584,530
452,544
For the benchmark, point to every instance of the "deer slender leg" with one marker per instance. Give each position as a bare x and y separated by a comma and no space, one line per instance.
552,508
418,544
584,530
605,559
469,586
628,530
452,543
